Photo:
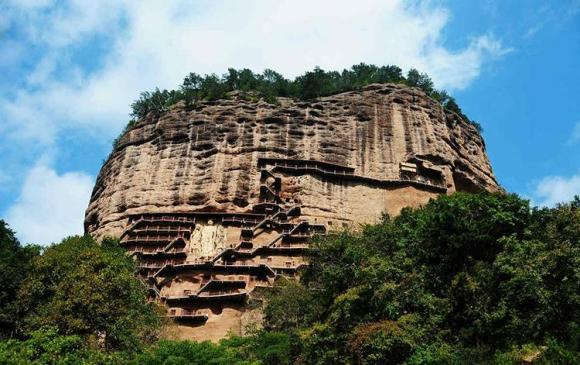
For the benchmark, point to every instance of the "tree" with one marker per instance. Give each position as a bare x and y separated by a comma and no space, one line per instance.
468,278
86,289
47,347
269,85
420,80
290,307
15,263
316,83
278,85
390,73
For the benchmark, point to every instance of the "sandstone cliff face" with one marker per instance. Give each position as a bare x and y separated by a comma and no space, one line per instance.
218,200
206,159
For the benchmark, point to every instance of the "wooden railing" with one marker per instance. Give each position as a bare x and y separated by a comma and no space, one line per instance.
188,314
264,161
156,251
419,181
168,229
222,293
161,218
150,229
243,221
157,239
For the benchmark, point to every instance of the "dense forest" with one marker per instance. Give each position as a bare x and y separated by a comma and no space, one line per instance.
270,84
466,279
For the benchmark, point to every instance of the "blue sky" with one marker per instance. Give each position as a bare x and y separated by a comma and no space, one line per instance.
69,70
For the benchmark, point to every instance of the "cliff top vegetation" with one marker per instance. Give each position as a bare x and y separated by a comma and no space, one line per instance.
269,85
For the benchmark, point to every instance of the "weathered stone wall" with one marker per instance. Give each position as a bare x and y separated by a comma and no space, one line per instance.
338,205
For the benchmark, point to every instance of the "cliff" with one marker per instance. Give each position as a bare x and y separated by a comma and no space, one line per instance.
218,199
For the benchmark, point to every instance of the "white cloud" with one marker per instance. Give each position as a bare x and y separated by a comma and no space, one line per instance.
50,206
556,189
42,71
62,23
458,70
157,43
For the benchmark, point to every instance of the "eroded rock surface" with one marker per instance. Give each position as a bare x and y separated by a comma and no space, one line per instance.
202,191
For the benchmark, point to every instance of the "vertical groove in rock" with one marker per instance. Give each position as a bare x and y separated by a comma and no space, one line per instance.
217,200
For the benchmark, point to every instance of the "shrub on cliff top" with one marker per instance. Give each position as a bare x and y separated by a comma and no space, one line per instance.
270,84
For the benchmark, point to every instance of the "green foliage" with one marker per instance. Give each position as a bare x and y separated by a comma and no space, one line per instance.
453,282
155,102
262,348
291,305
269,85
185,352
47,347
14,265
420,80
466,279
82,288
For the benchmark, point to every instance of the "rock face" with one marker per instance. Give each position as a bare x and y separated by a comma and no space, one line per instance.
218,200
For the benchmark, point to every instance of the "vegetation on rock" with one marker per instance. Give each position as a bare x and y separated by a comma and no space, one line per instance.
467,279
270,84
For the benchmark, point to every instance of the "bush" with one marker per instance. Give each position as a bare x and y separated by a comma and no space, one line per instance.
269,85
15,261
82,288
466,279
469,278
47,347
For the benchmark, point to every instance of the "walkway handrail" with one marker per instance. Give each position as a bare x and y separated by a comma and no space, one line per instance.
426,183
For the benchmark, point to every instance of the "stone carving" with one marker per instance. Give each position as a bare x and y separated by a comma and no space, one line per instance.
218,200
